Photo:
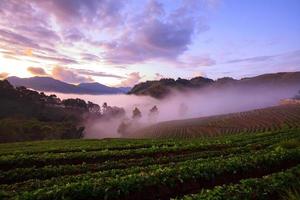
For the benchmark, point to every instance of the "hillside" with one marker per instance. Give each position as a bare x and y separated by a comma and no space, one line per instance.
29,115
48,84
258,120
163,87
97,88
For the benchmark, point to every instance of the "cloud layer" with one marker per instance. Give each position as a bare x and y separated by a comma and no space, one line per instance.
68,75
155,34
37,71
3,75
132,79
127,41
72,75
151,33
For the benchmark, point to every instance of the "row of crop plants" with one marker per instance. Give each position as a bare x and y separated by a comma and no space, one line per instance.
27,160
205,171
177,177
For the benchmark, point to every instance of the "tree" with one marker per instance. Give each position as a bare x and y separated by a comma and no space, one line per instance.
297,97
123,128
136,113
115,111
153,113
182,109
93,108
154,110
47,117
52,100
104,107
108,111
75,104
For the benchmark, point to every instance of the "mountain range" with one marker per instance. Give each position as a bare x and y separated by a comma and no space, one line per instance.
48,84
161,88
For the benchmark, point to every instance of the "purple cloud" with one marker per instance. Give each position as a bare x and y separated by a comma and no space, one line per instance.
44,34
104,12
37,71
3,75
94,73
131,80
90,57
252,59
68,75
61,60
73,34
152,33
289,55
28,22
15,44
14,38
191,61
154,36
72,75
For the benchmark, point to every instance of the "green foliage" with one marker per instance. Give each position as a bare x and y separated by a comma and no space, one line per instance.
23,130
29,115
292,143
292,193
243,166
24,103
75,104
268,187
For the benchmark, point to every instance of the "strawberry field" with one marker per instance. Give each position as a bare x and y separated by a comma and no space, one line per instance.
254,121
260,165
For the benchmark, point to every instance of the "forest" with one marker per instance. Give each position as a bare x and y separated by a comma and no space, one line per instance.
30,115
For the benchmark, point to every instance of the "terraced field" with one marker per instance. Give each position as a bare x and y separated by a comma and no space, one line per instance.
260,165
260,120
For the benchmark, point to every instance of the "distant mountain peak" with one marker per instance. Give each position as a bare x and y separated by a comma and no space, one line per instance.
90,83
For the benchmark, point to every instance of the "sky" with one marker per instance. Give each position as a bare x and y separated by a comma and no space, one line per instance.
124,42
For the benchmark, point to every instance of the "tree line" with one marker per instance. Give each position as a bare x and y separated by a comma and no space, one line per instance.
30,115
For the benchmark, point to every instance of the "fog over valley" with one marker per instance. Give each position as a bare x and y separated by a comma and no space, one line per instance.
181,105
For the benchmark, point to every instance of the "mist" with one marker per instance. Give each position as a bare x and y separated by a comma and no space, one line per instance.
197,103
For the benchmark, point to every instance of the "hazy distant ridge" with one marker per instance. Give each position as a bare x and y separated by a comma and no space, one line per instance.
163,87
49,84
